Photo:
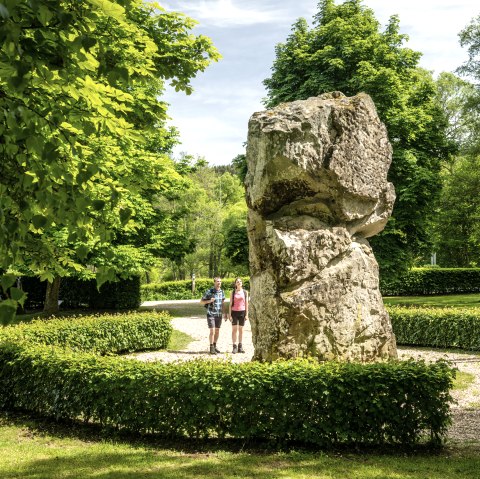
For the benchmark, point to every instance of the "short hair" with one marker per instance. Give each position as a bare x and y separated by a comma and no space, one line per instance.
217,277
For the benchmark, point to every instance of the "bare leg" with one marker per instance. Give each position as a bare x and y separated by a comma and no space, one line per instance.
240,334
217,333
234,334
211,335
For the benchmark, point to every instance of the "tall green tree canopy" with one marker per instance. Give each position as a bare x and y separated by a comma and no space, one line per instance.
456,227
470,38
345,50
82,133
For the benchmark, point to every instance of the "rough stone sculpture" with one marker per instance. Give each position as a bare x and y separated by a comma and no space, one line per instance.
316,189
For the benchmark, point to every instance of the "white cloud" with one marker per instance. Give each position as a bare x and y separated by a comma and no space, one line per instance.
226,13
213,120
433,27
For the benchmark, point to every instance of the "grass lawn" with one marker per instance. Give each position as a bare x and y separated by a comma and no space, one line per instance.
456,300
39,450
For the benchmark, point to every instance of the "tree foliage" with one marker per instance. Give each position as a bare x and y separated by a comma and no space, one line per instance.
345,50
455,227
83,140
210,211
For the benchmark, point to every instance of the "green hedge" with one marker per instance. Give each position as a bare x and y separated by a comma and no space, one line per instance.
320,404
417,281
83,293
425,281
100,334
173,290
437,327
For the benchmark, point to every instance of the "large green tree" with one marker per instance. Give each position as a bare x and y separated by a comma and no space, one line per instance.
81,125
455,226
346,50
470,39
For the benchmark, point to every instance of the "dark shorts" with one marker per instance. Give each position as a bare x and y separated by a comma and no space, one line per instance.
238,317
214,321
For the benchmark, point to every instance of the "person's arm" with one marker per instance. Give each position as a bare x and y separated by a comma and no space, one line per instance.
246,304
230,306
207,301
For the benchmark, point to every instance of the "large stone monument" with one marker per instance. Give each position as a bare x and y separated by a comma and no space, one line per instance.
316,189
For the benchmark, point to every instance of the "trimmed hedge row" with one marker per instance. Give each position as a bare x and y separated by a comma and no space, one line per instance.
417,281
437,327
320,404
100,334
83,293
295,400
173,290
424,281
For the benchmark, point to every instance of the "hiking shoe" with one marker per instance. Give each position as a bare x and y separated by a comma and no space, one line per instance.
240,348
234,350
217,351
212,349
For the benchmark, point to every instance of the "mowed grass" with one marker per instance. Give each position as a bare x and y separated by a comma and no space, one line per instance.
463,380
40,450
454,300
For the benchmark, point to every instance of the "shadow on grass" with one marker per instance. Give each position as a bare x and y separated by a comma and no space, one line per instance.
70,450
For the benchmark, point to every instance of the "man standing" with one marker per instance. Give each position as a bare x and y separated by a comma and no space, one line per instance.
213,300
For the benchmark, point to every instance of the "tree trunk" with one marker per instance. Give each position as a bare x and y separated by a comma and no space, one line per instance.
211,263
51,296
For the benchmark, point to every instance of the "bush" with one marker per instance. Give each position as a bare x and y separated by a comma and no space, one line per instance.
174,290
101,334
417,281
437,327
424,281
320,404
83,293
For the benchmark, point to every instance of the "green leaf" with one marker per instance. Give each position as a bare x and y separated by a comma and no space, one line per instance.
7,280
18,295
8,308
4,13
98,205
125,214
82,251
103,275
88,42
39,221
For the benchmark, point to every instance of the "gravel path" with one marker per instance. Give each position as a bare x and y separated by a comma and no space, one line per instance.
466,408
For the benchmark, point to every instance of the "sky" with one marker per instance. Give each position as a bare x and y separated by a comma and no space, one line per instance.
213,120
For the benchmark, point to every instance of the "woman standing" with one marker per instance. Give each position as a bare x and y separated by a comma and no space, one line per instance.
238,313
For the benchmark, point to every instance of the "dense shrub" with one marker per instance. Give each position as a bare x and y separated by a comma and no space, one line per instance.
321,404
83,293
36,290
422,281
437,327
101,334
173,290
417,281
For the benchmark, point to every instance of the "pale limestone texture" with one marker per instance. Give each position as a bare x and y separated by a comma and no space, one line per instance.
316,189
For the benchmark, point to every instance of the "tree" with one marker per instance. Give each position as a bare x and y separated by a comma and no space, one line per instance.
346,51
79,83
455,227
470,38
209,210
454,96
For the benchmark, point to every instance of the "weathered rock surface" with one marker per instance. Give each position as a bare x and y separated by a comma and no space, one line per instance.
316,189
